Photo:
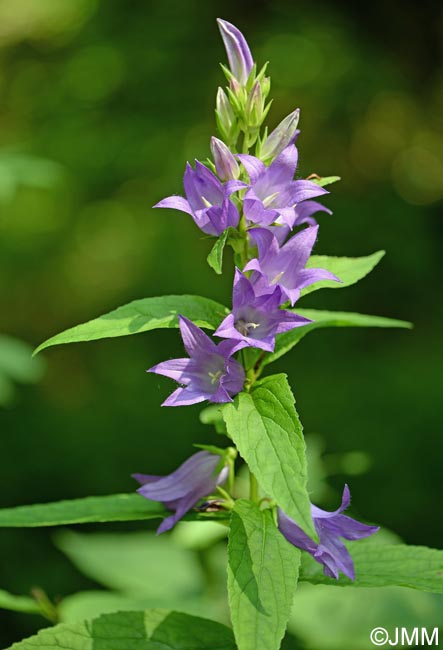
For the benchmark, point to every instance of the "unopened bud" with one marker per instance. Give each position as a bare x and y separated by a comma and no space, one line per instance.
225,163
237,49
226,120
254,106
282,136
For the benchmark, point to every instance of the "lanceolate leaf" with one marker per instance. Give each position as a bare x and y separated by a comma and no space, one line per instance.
325,180
267,432
262,577
349,269
380,565
153,629
115,507
142,316
18,603
215,257
286,341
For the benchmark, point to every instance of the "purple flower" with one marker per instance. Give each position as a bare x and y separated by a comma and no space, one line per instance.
330,526
225,163
180,491
281,137
285,266
207,200
303,215
273,193
209,374
239,55
256,319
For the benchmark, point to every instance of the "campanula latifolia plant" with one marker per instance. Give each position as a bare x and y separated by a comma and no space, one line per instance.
252,197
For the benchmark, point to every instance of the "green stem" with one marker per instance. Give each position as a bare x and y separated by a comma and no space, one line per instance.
253,487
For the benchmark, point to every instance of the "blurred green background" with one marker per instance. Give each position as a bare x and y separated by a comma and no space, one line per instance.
101,104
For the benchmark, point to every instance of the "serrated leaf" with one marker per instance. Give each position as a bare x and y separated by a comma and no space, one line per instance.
380,565
262,577
18,603
268,434
114,507
148,630
284,342
325,180
215,257
349,269
141,316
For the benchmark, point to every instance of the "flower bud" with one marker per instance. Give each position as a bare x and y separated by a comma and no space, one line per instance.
282,136
237,49
255,106
225,163
225,116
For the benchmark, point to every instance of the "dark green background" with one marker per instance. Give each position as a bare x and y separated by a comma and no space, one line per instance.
120,95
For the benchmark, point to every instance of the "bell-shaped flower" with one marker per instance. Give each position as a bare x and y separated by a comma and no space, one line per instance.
257,319
207,200
302,215
180,491
225,164
281,137
239,55
330,526
273,193
209,374
285,266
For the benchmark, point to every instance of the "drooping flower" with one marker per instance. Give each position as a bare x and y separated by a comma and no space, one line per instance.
330,527
207,200
257,319
225,163
209,374
239,55
273,193
281,137
285,266
180,491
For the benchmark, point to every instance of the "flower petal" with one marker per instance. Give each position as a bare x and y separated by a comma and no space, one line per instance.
175,203
254,167
194,339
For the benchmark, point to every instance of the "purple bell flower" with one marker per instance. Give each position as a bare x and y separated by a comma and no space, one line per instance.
207,200
257,319
285,266
239,55
303,215
180,491
273,193
330,526
209,374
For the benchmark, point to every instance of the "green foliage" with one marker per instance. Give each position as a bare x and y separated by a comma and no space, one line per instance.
262,577
16,365
349,269
265,427
142,316
18,603
325,180
150,630
215,257
380,565
115,507
284,342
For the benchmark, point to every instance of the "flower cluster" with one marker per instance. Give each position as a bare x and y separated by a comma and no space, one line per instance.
255,204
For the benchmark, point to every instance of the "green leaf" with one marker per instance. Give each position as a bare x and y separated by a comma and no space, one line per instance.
380,565
149,630
18,603
286,341
349,269
265,427
115,507
262,577
325,180
142,316
212,415
215,257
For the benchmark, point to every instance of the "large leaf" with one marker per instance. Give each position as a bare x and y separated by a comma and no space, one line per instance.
149,630
380,565
142,316
18,603
284,342
115,507
349,269
262,577
265,427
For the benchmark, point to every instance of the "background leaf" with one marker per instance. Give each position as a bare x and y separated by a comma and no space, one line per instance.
150,630
18,603
349,269
262,577
284,342
142,316
265,427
